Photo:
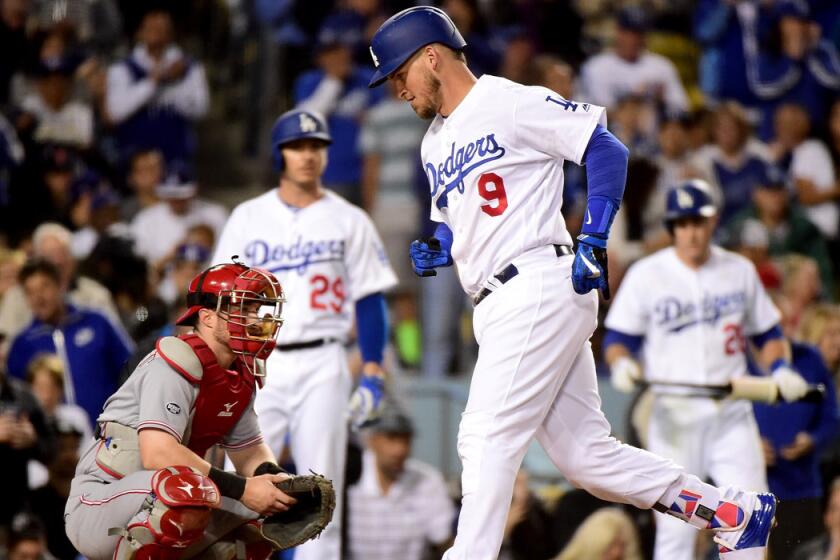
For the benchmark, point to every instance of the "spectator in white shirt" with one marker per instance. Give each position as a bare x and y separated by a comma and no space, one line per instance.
58,117
154,94
159,229
400,506
809,166
629,69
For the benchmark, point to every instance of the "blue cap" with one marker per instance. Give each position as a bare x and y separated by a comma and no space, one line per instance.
772,177
793,8
689,199
633,19
192,252
178,183
64,65
59,158
405,33
342,28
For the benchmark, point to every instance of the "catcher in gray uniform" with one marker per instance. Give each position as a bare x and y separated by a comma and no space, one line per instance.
143,490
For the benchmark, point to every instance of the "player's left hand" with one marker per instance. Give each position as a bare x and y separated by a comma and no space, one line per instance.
366,400
589,271
792,386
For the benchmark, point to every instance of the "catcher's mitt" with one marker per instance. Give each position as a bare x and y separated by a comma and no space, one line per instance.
307,518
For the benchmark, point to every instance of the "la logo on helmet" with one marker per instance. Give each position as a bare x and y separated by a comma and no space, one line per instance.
684,199
307,123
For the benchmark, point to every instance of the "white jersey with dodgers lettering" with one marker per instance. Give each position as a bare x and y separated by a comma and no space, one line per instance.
327,256
694,322
502,150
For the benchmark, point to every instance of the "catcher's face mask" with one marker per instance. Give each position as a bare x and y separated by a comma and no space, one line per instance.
253,309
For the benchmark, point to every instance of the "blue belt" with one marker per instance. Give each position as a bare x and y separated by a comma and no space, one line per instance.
510,272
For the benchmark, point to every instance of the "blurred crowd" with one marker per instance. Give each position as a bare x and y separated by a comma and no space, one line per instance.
104,218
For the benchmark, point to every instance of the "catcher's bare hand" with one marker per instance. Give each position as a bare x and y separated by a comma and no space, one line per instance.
261,494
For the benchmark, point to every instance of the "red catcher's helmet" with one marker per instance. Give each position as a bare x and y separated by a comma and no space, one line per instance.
249,299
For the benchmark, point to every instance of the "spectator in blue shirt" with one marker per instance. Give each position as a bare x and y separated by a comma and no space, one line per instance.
793,434
92,348
154,95
720,27
794,65
338,89
735,164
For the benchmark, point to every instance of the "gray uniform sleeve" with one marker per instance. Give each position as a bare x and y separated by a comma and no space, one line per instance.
246,432
166,399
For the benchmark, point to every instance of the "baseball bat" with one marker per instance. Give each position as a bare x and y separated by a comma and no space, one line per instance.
757,389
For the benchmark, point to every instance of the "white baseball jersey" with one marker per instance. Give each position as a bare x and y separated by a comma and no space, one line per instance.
327,256
694,322
508,163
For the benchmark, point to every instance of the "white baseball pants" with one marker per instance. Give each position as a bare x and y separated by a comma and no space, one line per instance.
305,397
719,440
535,376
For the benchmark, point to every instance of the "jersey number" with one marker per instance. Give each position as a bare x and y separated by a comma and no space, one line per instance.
735,343
322,290
491,187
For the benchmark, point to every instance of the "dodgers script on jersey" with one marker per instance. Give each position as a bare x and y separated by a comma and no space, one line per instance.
326,256
495,170
694,322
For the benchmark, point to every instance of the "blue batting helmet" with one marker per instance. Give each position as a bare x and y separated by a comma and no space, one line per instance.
406,32
296,125
689,199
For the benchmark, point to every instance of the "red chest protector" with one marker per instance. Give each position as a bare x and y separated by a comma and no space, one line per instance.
223,394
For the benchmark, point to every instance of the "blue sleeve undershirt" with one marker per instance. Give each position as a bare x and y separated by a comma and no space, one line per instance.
444,235
606,173
633,342
763,338
372,323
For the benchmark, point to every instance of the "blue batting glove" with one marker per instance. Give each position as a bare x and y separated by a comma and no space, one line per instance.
427,255
589,270
366,400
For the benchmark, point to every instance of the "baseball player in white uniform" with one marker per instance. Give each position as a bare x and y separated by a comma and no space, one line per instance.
688,310
494,156
332,265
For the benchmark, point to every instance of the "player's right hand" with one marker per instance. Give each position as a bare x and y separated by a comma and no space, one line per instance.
262,496
625,373
427,255
792,386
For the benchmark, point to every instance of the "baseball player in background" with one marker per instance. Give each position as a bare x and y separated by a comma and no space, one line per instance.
687,311
494,156
143,489
332,264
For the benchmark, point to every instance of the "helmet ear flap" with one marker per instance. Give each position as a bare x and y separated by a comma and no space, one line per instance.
277,158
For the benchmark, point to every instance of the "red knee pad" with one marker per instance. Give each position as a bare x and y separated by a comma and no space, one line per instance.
183,502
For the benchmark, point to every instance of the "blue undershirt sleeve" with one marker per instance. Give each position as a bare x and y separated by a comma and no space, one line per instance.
606,172
633,342
763,338
372,322
444,235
